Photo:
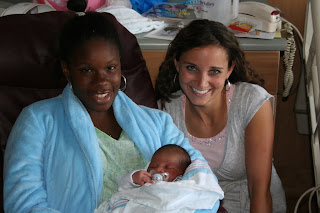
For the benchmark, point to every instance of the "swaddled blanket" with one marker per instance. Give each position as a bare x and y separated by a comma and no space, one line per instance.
197,191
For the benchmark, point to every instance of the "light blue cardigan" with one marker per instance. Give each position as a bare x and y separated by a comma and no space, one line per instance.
52,159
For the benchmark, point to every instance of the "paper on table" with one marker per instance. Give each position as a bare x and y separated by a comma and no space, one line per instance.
169,30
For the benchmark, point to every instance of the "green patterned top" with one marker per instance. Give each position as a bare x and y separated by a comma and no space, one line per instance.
119,157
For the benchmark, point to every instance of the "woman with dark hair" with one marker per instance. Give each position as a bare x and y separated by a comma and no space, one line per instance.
217,100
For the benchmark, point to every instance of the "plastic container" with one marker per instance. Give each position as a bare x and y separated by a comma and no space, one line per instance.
219,10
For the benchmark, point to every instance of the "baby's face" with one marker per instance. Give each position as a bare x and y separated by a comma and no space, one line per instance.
166,162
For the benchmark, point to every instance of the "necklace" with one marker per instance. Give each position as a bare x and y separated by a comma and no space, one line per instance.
207,141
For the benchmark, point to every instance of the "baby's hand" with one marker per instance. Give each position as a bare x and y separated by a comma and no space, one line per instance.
141,177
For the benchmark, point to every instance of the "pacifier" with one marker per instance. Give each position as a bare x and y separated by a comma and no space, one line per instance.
159,176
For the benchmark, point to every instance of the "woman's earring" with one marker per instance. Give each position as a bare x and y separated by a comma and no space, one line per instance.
125,83
175,78
228,85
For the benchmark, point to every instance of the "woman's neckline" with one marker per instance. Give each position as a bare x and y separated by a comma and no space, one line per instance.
218,137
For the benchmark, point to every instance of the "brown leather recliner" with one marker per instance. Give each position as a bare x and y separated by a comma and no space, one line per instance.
30,66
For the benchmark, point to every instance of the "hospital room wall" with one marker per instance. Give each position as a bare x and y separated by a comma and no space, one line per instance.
292,151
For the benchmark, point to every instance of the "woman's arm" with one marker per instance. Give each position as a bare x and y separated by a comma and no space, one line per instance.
24,184
259,138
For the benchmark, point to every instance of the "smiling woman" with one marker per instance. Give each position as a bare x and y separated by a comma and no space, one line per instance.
216,99
91,63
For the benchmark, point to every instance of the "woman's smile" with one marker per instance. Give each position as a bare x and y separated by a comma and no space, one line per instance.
102,97
199,92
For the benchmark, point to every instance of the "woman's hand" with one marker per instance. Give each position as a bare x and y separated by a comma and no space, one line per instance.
141,177
259,150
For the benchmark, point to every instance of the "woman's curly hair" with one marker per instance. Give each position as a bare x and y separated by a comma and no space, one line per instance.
201,33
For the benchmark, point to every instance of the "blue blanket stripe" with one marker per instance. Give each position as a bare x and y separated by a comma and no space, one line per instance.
119,204
196,167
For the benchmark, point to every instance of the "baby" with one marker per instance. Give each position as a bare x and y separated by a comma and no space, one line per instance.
158,190
168,163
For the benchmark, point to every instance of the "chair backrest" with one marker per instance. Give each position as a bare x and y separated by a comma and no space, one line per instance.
30,66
